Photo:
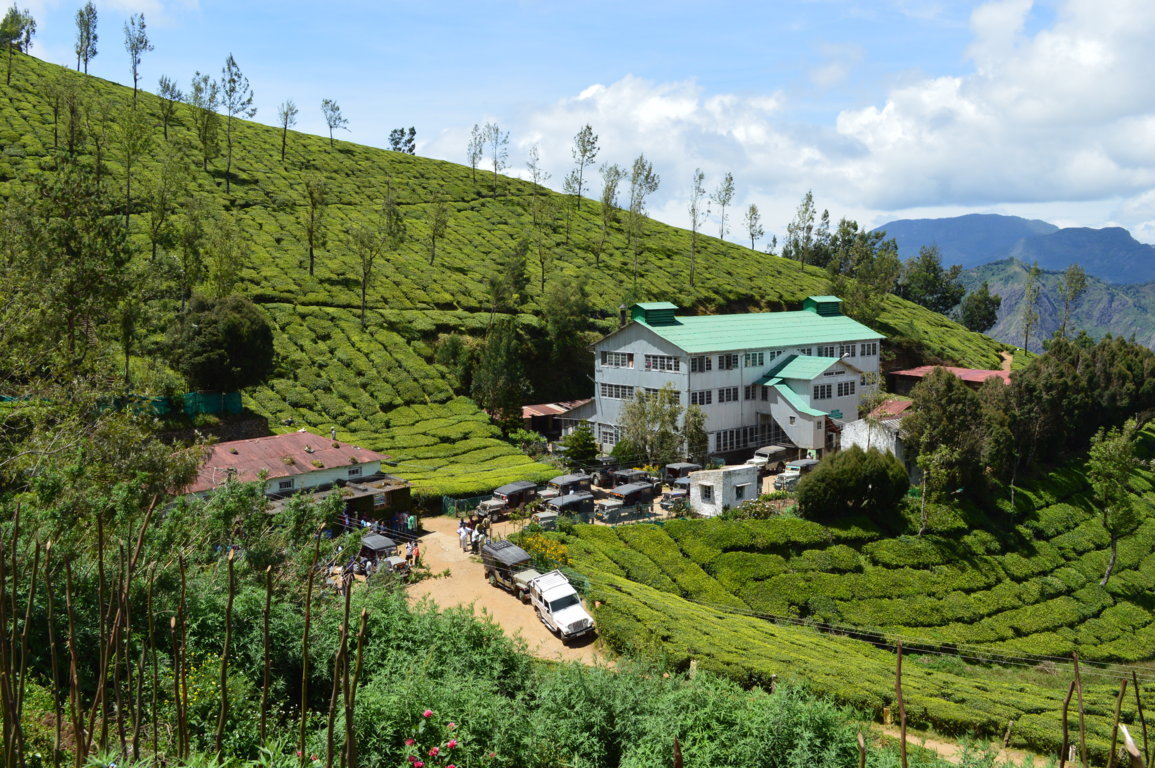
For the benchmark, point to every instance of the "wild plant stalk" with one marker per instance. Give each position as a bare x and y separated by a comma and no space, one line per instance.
1066,735
19,710
152,654
117,651
224,710
50,597
1082,712
901,707
77,716
182,670
177,701
344,677
305,649
265,639
1115,723
6,705
335,691
351,696
102,675
1142,720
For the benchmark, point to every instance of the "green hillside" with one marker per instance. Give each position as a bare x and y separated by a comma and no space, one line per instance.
378,385
1027,594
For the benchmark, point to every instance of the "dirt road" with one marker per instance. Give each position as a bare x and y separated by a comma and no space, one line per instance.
466,586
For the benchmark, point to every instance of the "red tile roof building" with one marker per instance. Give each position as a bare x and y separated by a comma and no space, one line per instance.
901,382
291,462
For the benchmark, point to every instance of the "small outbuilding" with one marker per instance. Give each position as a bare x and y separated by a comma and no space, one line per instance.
714,490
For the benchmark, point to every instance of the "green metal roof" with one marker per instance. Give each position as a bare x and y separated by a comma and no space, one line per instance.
796,401
655,305
824,298
759,330
805,367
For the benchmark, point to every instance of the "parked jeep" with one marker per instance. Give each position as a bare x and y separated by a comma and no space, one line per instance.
559,607
508,566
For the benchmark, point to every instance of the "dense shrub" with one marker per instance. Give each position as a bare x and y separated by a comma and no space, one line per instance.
855,482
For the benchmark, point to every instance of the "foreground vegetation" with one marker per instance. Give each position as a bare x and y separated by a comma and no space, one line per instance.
376,382
1019,586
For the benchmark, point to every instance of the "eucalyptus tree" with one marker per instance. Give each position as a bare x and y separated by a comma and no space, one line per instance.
170,96
134,138
699,210
287,117
136,43
438,225
475,149
204,98
496,142
1071,285
316,203
585,152
753,223
333,118
643,183
612,175
237,99
1031,293
723,196
17,29
86,36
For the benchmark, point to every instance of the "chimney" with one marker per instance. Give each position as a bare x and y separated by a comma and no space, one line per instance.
621,315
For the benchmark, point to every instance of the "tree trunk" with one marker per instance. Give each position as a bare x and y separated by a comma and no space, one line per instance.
433,250
127,193
310,257
693,245
229,161
364,286
1111,560
284,138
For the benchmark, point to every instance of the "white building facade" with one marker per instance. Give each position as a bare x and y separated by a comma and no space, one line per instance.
761,378
713,491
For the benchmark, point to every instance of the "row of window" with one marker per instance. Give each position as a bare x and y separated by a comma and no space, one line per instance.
291,483
617,391
826,391
729,361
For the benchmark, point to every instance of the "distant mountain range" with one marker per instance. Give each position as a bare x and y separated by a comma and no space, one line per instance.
1110,254
1120,295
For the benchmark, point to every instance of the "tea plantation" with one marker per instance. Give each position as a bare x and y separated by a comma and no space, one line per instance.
729,594
378,385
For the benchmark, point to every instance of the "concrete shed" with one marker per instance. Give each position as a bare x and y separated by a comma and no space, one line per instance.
714,490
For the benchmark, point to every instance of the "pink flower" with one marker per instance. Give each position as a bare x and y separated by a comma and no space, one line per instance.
452,744
314,758
427,713
451,726
451,765
298,753
418,764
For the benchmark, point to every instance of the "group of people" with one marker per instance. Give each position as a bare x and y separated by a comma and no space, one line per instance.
472,533
402,523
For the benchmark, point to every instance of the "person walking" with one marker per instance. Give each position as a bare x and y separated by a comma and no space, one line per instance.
416,554
409,553
475,538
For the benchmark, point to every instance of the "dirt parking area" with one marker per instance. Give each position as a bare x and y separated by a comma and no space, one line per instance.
466,586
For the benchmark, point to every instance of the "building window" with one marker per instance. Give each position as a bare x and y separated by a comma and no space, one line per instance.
835,372
804,350
617,391
793,419
707,493
826,351
845,388
727,362
284,485
617,359
740,491
662,363
701,364
607,434
868,349
846,350
755,359
750,392
354,471
823,391
701,397
766,393
775,354
728,395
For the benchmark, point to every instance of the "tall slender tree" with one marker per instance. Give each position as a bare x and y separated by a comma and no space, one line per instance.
438,225
612,175
333,117
753,224
170,96
237,99
585,152
287,117
162,189
799,244
497,147
699,210
643,183
204,98
475,149
136,43
86,36
1072,285
1031,303
1109,465
316,203
723,196
16,32
366,242
538,176
134,137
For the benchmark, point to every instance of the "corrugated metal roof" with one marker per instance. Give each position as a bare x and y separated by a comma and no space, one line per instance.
759,330
295,453
805,367
551,409
796,401
972,375
824,298
648,305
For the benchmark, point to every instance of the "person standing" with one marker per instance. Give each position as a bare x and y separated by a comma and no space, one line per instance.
463,534
411,524
416,554
475,538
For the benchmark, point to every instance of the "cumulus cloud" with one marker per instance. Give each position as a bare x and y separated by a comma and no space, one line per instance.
1057,122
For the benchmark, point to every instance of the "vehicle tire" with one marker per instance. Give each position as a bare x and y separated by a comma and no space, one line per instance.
492,579
523,596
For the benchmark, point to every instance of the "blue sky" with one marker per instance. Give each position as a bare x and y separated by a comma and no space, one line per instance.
886,109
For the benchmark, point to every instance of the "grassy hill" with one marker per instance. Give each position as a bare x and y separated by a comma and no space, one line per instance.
1121,310
378,385
729,593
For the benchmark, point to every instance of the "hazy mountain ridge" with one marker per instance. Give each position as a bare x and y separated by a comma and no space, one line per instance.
1110,254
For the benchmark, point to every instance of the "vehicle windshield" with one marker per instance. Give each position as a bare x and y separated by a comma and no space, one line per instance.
564,602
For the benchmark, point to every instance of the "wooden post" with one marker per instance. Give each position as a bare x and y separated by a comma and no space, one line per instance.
773,683
1082,713
1137,760
1115,723
1142,720
1007,735
677,753
861,751
1063,747
901,706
